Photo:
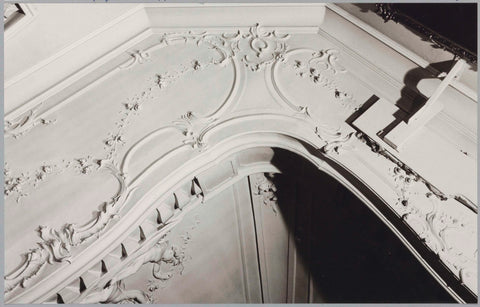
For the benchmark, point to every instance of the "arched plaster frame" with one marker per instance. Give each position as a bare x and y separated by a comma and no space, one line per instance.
198,168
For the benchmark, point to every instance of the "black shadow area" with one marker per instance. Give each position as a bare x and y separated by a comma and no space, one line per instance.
351,255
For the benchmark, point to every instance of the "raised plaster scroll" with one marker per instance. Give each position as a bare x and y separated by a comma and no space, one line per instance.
24,123
266,189
56,245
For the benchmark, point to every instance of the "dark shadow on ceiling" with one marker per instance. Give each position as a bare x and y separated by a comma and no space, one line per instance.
450,26
350,253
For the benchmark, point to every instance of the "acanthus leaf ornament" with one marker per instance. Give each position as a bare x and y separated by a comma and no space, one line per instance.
255,48
266,189
335,141
160,253
117,294
192,127
56,245
431,219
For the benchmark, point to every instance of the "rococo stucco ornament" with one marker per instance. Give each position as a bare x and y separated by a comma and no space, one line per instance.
266,189
114,292
418,203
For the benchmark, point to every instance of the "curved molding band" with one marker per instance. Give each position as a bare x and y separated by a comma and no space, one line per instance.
158,195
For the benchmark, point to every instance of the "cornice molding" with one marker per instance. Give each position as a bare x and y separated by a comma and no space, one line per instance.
389,12
117,37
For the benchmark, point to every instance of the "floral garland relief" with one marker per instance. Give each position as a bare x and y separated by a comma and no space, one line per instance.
255,48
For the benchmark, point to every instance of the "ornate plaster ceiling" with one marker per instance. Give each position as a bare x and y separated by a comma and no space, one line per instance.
140,112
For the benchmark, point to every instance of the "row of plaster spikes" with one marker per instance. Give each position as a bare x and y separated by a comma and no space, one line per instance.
153,223
70,292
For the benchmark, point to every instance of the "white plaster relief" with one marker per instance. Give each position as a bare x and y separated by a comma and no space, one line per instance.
425,209
335,140
14,184
155,249
20,185
56,244
159,284
134,105
322,69
432,221
432,215
160,255
192,127
85,166
255,47
138,57
266,189
117,294
24,123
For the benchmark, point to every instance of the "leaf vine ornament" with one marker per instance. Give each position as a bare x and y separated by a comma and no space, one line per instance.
56,245
322,68
433,220
255,48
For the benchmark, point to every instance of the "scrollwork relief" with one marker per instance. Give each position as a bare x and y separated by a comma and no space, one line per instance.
265,47
154,285
422,206
192,127
335,140
117,294
138,57
255,48
160,254
322,68
266,189
24,123
56,245
73,235
167,259
429,216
